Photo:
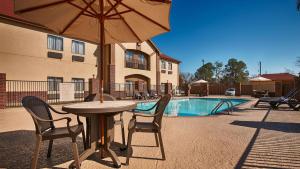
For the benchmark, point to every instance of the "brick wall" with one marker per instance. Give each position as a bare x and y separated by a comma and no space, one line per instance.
2,90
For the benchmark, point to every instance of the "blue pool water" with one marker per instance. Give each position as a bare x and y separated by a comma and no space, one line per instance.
191,106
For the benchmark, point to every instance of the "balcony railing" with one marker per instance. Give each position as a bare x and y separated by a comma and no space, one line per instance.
136,65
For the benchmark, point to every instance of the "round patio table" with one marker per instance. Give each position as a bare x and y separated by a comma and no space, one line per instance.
101,124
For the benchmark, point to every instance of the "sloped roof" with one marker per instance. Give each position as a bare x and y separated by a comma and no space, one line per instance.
169,58
279,76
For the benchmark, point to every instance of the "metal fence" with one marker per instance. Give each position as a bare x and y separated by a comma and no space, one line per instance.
46,90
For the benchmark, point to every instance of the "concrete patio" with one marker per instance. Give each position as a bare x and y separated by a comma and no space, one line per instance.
249,138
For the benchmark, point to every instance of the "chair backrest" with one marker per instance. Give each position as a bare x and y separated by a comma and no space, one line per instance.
293,94
38,108
290,93
92,97
160,108
107,97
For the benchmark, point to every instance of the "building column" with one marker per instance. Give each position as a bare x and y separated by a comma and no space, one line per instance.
2,90
158,74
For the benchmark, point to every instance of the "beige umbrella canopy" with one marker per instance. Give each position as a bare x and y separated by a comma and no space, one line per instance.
200,81
260,79
99,21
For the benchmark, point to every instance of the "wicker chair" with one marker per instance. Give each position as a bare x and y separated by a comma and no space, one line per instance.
150,127
106,97
46,130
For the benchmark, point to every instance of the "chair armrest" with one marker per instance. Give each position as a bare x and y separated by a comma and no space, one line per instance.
143,115
146,109
58,112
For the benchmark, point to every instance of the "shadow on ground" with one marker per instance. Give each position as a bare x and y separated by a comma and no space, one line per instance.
16,149
273,145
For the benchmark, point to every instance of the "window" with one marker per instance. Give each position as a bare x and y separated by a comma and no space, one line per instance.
53,83
136,59
79,84
55,43
78,47
163,64
129,55
169,66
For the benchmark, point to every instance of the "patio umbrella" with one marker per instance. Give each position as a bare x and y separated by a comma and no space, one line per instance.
200,81
260,79
99,21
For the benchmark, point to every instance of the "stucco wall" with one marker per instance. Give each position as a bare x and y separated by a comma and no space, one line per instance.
122,71
170,78
23,56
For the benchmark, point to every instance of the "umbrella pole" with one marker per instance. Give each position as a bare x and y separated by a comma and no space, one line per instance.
101,50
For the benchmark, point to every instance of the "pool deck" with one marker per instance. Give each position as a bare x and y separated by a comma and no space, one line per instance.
249,138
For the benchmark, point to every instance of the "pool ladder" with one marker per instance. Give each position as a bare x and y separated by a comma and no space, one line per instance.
220,104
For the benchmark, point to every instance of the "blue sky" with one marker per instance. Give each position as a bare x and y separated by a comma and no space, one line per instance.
249,30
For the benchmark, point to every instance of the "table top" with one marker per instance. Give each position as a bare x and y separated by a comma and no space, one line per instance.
95,107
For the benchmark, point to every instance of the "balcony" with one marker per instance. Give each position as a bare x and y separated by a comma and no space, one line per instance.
136,65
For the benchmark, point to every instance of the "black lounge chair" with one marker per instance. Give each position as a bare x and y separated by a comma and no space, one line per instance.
276,101
40,112
137,95
150,127
153,95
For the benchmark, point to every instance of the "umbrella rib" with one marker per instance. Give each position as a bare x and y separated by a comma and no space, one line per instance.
81,8
123,19
42,6
108,16
76,17
91,7
146,17
113,7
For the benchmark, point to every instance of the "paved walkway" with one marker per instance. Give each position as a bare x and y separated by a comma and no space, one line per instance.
247,138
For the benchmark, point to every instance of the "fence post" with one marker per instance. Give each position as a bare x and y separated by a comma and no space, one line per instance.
238,89
2,90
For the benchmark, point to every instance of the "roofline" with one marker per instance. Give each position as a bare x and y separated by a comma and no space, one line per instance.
154,47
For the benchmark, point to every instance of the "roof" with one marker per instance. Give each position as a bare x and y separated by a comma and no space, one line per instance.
279,76
169,58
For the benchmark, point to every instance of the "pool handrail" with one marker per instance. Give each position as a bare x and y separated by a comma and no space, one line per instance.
220,104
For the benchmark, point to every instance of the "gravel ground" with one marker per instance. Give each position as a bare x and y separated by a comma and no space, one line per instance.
249,138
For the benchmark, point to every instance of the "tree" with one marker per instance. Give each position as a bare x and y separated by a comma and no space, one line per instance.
185,79
235,71
218,70
205,72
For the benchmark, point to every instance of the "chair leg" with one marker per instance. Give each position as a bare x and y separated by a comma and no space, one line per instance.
122,129
76,155
84,139
156,139
130,133
161,146
88,129
36,152
49,148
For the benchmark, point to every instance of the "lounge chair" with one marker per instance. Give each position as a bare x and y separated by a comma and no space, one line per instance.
137,95
106,97
153,95
145,95
150,127
46,130
273,100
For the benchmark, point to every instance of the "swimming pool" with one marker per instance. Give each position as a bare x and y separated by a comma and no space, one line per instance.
192,106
